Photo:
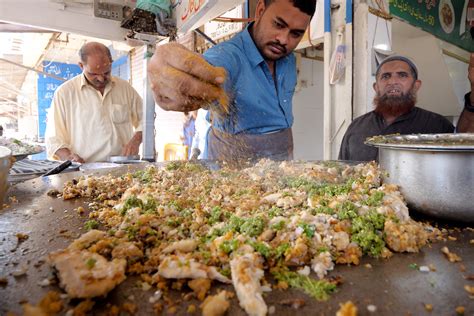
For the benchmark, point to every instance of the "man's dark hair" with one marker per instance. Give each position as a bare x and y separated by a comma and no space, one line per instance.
93,48
306,6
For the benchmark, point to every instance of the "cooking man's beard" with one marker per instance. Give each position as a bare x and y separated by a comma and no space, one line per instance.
282,48
395,105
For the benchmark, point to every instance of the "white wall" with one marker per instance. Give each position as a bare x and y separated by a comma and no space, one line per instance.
458,73
28,127
308,110
437,92
379,36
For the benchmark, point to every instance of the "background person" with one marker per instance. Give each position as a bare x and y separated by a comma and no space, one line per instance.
396,87
94,115
189,129
466,120
199,144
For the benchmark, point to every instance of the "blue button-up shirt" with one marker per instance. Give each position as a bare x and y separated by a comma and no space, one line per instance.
259,104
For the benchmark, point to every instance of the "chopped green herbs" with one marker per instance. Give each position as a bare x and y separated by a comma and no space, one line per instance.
229,245
92,224
262,248
215,217
90,263
280,250
413,266
320,290
367,233
346,210
274,212
279,225
375,199
173,165
253,226
308,229
145,176
130,203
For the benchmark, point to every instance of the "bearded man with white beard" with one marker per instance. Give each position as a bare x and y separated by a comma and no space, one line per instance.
396,86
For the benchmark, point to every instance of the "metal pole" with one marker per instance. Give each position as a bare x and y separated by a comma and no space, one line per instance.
204,35
327,86
148,137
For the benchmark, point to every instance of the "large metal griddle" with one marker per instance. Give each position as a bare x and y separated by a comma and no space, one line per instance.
391,285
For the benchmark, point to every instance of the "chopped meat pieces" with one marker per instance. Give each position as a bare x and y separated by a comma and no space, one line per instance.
50,304
215,305
83,308
451,256
347,309
469,289
295,303
200,287
127,250
246,275
409,236
85,275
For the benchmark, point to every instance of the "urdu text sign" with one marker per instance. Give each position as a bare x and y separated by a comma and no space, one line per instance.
449,20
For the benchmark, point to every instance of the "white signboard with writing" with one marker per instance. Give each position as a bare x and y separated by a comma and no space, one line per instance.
191,14
217,30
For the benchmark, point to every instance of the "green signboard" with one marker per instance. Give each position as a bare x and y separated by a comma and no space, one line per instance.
449,20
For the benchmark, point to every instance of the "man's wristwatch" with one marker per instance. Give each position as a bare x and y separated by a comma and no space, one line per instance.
467,103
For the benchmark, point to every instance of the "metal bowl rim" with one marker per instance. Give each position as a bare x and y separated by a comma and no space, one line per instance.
421,140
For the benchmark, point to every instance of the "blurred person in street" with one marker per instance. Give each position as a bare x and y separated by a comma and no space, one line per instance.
247,83
396,88
94,115
189,129
199,144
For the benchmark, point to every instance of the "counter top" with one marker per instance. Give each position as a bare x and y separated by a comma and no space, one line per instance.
394,286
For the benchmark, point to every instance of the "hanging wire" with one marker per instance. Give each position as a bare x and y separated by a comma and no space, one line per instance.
57,51
232,20
52,60
309,35
381,13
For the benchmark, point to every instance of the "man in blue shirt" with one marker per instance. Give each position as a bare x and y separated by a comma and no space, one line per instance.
257,71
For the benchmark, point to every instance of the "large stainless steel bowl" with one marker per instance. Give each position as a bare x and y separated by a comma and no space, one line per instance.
435,172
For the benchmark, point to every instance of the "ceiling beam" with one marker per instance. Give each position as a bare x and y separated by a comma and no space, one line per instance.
6,86
15,28
51,41
9,115
32,69
9,109
6,100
